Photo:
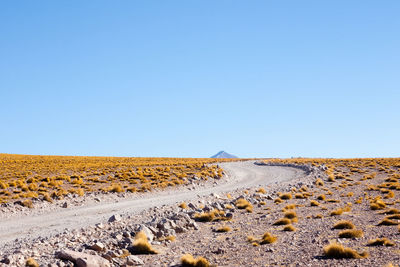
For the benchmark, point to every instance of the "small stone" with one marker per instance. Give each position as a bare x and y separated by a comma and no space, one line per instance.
132,260
97,246
115,218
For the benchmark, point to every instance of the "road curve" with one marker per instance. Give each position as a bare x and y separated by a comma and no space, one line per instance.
238,175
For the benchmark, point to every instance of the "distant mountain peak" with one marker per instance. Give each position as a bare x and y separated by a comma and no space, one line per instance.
223,155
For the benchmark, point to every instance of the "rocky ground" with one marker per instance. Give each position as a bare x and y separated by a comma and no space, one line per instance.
196,228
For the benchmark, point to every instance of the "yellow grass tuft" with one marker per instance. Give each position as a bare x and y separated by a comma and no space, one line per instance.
224,229
289,228
283,221
314,203
27,203
189,261
141,245
338,251
30,262
381,242
183,205
267,238
285,196
387,221
261,190
244,204
336,212
321,197
290,214
344,225
351,233
278,200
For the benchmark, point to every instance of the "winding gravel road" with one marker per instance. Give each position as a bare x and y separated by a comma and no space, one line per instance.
239,175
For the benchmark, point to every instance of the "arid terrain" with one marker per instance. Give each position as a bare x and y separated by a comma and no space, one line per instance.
296,212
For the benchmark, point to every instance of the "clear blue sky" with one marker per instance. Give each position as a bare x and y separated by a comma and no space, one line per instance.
190,78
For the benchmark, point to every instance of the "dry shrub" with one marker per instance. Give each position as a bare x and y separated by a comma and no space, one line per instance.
319,182
381,242
338,251
278,200
289,228
285,196
394,216
377,204
30,262
267,238
261,190
188,261
290,214
336,212
27,203
314,203
283,221
387,221
391,211
290,207
223,229
183,205
343,225
351,233
214,215
321,197
390,194
299,195
141,245
244,204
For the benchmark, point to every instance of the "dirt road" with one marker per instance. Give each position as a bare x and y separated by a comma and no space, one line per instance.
239,175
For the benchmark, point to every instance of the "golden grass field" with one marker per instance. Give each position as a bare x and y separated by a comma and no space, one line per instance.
26,177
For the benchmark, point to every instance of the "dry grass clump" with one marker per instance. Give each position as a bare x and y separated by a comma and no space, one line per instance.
30,262
285,196
291,215
318,216
351,233
377,204
183,205
27,203
387,221
267,238
282,221
244,204
314,203
391,211
289,228
261,190
278,200
223,229
338,251
319,182
189,261
141,245
343,225
289,207
214,215
321,197
394,216
381,242
336,212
